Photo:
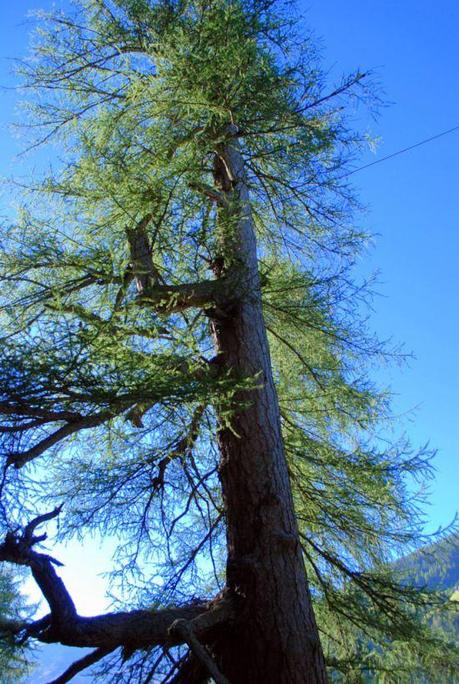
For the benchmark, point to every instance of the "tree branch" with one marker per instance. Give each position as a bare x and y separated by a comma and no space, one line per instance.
17,549
142,266
182,447
132,630
82,664
18,460
186,631
28,536
133,403
210,192
351,81
208,294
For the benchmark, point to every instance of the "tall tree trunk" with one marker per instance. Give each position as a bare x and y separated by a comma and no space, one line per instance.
275,637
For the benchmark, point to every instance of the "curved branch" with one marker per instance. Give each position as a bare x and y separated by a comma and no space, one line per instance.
18,549
18,460
132,630
186,630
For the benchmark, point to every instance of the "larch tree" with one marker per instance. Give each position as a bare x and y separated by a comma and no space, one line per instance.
184,362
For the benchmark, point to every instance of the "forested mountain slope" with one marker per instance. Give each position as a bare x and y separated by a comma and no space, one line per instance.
435,566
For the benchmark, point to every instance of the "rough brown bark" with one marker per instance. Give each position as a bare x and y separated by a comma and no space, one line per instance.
275,638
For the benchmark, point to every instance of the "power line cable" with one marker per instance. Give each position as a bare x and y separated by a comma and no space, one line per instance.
405,149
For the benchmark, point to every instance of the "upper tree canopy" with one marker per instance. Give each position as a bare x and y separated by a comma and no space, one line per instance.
110,385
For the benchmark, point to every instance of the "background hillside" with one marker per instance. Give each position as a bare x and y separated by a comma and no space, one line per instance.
435,566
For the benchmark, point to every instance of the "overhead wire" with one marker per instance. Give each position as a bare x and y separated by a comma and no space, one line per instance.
402,151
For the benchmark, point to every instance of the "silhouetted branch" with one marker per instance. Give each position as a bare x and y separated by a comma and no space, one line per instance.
132,630
82,664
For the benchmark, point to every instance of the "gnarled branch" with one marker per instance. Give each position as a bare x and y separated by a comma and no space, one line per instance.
18,549
131,630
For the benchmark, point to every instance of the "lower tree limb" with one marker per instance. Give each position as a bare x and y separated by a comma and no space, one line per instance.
130,630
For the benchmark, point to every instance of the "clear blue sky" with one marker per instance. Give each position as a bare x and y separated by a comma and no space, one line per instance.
412,204
412,199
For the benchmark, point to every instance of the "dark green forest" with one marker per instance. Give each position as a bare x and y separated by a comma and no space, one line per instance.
435,566
432,570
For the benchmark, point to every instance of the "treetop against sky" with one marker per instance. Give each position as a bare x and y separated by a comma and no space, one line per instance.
409,200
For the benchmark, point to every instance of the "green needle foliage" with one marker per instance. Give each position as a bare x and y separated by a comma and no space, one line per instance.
13,657
109,385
